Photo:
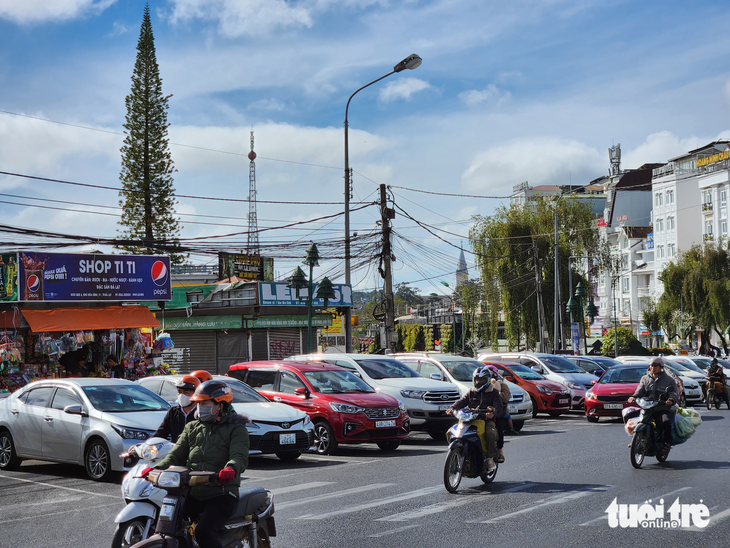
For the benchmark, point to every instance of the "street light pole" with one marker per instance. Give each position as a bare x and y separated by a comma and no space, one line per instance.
411,62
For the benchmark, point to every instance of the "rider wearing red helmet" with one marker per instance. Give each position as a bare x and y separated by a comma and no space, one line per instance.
202,375
217,441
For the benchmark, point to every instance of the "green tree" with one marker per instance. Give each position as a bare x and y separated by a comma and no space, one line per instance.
147,199
627,342
503,243
405,294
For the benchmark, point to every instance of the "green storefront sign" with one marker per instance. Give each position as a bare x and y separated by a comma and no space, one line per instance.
202,322
289,321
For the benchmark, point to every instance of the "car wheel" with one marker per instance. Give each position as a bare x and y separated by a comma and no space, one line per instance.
534,407
390,445
98,460
324,438
8,458
591,418
517,425
438,434
289,455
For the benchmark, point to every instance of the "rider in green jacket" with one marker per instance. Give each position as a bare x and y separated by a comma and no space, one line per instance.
216,442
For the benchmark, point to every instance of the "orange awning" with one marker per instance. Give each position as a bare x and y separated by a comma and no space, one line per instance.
77,319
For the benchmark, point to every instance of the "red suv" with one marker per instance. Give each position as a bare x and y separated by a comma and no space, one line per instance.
343,408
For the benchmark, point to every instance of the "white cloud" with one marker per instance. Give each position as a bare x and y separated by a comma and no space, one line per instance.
267,104
243,17
538,160
660,147
118,28
39,11
490,94
402,88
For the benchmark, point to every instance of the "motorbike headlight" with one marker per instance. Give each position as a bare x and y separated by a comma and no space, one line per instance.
544,389
169,479
150,451
416,394
132,433
344,408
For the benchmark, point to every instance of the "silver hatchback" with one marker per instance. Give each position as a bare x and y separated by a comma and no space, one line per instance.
85,421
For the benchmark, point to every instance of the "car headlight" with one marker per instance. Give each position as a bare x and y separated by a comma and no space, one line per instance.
573,385
402,406
418,394
150,451
168,479
544,389
344,408
132,433
306,421
591,396
252,426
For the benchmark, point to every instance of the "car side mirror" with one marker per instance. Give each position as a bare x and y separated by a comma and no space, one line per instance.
75,409
594,381
436,376
509,378
598,372
302,391
536,368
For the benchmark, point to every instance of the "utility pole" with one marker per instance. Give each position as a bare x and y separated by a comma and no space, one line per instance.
540,310
385,215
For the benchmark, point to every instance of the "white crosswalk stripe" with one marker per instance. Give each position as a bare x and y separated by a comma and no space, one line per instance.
336,494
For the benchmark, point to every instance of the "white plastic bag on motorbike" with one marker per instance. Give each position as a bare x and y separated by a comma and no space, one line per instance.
692,415
683,426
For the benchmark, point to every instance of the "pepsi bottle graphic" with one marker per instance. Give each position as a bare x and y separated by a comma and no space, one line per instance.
32,278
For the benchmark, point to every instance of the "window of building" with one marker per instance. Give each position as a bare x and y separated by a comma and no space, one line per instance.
627,307
708,227
660,252
723,197
670,197
706,196
670,250
603,304
660,225
625,284
625,262
602,280
723,228
670,223
658,199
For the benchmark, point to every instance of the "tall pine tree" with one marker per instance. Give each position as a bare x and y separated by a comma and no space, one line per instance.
147,201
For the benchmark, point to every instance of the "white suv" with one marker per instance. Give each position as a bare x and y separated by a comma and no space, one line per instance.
458,370
426,400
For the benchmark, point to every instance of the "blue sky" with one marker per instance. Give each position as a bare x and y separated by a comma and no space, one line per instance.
507,92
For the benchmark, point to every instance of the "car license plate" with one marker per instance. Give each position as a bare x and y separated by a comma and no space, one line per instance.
287,439
512,409
166,511
384,424
444,407
613,406
563,401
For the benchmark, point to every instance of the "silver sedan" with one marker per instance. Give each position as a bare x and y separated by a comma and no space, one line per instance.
85,421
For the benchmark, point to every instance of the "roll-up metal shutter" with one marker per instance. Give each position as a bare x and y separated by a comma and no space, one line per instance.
285,342
232,348
259,344
193,350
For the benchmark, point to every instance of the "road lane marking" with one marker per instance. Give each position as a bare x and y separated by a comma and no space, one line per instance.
2,476
394,531
301,487
559,499
449,505
604,517
336,494
375,503
306,471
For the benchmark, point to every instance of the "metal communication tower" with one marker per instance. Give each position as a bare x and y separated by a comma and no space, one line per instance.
253,232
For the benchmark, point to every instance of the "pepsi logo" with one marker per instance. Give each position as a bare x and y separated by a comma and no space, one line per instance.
159,273
34,283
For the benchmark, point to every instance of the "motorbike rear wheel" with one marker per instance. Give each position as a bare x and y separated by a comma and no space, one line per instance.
454,468
638,449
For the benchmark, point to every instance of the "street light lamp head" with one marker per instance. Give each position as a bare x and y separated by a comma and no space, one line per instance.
411,62
580,291
312,258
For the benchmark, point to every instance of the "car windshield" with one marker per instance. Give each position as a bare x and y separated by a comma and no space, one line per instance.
606,362
336,382
587,366
124,398
386,369
677,365
556,364
461,370
691,366
623,375
524,372
243,393
704,363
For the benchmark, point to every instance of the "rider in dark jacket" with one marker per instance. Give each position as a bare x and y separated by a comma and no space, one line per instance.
484,398
178,416
654,384
716,374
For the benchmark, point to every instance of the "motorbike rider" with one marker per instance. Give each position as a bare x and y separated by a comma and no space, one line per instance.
655,383
202,375
484,398
716,374
505,421
178,416
217,441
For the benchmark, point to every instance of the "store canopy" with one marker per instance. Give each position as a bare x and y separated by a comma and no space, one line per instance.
77,319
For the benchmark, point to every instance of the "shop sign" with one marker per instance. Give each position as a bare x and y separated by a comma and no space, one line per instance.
621,218
289,321
245,267
203,322
9,277
91,277
719,157
278,294
650,240
337,327
601,222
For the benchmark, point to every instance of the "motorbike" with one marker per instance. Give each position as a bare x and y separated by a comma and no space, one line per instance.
252,524
137,519
647,438
465,457
715,394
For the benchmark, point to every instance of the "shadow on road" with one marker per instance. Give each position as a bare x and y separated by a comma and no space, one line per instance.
537,487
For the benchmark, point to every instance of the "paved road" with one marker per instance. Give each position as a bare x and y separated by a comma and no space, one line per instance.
560,477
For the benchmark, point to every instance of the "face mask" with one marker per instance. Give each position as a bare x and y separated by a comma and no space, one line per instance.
183,400
205,413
